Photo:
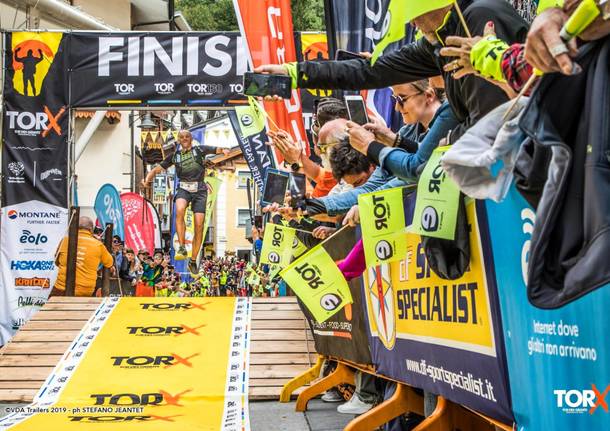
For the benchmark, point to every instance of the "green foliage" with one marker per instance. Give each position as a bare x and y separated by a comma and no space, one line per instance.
219,15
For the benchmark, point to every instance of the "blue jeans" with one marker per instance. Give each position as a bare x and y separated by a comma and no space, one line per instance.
342,202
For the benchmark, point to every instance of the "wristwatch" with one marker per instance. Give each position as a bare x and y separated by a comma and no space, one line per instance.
295,167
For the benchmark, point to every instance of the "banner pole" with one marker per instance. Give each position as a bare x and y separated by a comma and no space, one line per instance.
72,251
105,271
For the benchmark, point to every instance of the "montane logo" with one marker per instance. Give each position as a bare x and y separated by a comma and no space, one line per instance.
46,174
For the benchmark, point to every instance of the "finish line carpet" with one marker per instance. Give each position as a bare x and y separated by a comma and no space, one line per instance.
150,364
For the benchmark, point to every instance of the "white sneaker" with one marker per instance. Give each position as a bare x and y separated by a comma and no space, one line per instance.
354,406
332,396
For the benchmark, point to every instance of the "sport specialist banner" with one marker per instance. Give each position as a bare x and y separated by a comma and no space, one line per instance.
150,360
267,28
34,172
444,336
108,209
564,352
155,69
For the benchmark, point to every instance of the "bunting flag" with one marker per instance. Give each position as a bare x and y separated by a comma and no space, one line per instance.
383,226
143,137
175,135
277,245
164,134
399,14
318,282
438,198
154,135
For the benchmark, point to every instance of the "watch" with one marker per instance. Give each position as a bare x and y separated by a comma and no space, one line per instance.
295,167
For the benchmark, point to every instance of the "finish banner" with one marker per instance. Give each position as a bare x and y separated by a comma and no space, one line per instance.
444,336
565,351
155,69
249,126
146,363
267,27
34,172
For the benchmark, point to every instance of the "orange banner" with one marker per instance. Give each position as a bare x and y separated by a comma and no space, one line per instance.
267,27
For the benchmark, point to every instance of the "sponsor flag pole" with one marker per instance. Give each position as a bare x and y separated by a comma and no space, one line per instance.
72,251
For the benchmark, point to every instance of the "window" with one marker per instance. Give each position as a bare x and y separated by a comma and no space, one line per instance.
242,178
243,217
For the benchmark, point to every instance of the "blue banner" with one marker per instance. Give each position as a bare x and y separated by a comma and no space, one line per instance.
558,360
108,209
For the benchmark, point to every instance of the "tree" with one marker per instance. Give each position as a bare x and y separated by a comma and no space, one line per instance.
219,15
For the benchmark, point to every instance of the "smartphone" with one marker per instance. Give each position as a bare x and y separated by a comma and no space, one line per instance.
258,221
356,109
262,84
297,186
276,184
342,54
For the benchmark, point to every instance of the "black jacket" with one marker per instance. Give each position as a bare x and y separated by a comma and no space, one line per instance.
470,97
569,117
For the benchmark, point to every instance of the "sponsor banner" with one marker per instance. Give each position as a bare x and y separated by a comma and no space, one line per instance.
278,245
441,335
249,126
438,198
383,226
35,123
139,227
30,234
156,353
317,281
565,351
267,27
159,189
108,209
343,335
155,69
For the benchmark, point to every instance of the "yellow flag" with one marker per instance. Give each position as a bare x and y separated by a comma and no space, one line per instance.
164,135
400,13
154,135
277,245
175,135
143,136
318,282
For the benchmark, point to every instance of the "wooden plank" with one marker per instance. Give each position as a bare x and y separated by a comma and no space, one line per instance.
269,393
275,324
277,315
285,346
44,336
35,348
17,395
62,315
30,360
20,384
275,371
279,335
23,373
48,325
78,306
282,306
280,358
74,300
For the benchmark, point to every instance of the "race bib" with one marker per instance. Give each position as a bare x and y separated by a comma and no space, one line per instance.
189,186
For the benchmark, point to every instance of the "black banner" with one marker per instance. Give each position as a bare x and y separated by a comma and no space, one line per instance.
36,118
345,334
156,69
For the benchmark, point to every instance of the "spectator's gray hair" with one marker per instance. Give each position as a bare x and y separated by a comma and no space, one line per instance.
85,223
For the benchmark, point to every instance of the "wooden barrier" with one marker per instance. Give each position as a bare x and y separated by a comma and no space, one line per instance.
281,348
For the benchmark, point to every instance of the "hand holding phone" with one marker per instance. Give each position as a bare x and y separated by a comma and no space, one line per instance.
262,84
356,109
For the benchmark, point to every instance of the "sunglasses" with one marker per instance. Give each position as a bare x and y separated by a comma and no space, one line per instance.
402,100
